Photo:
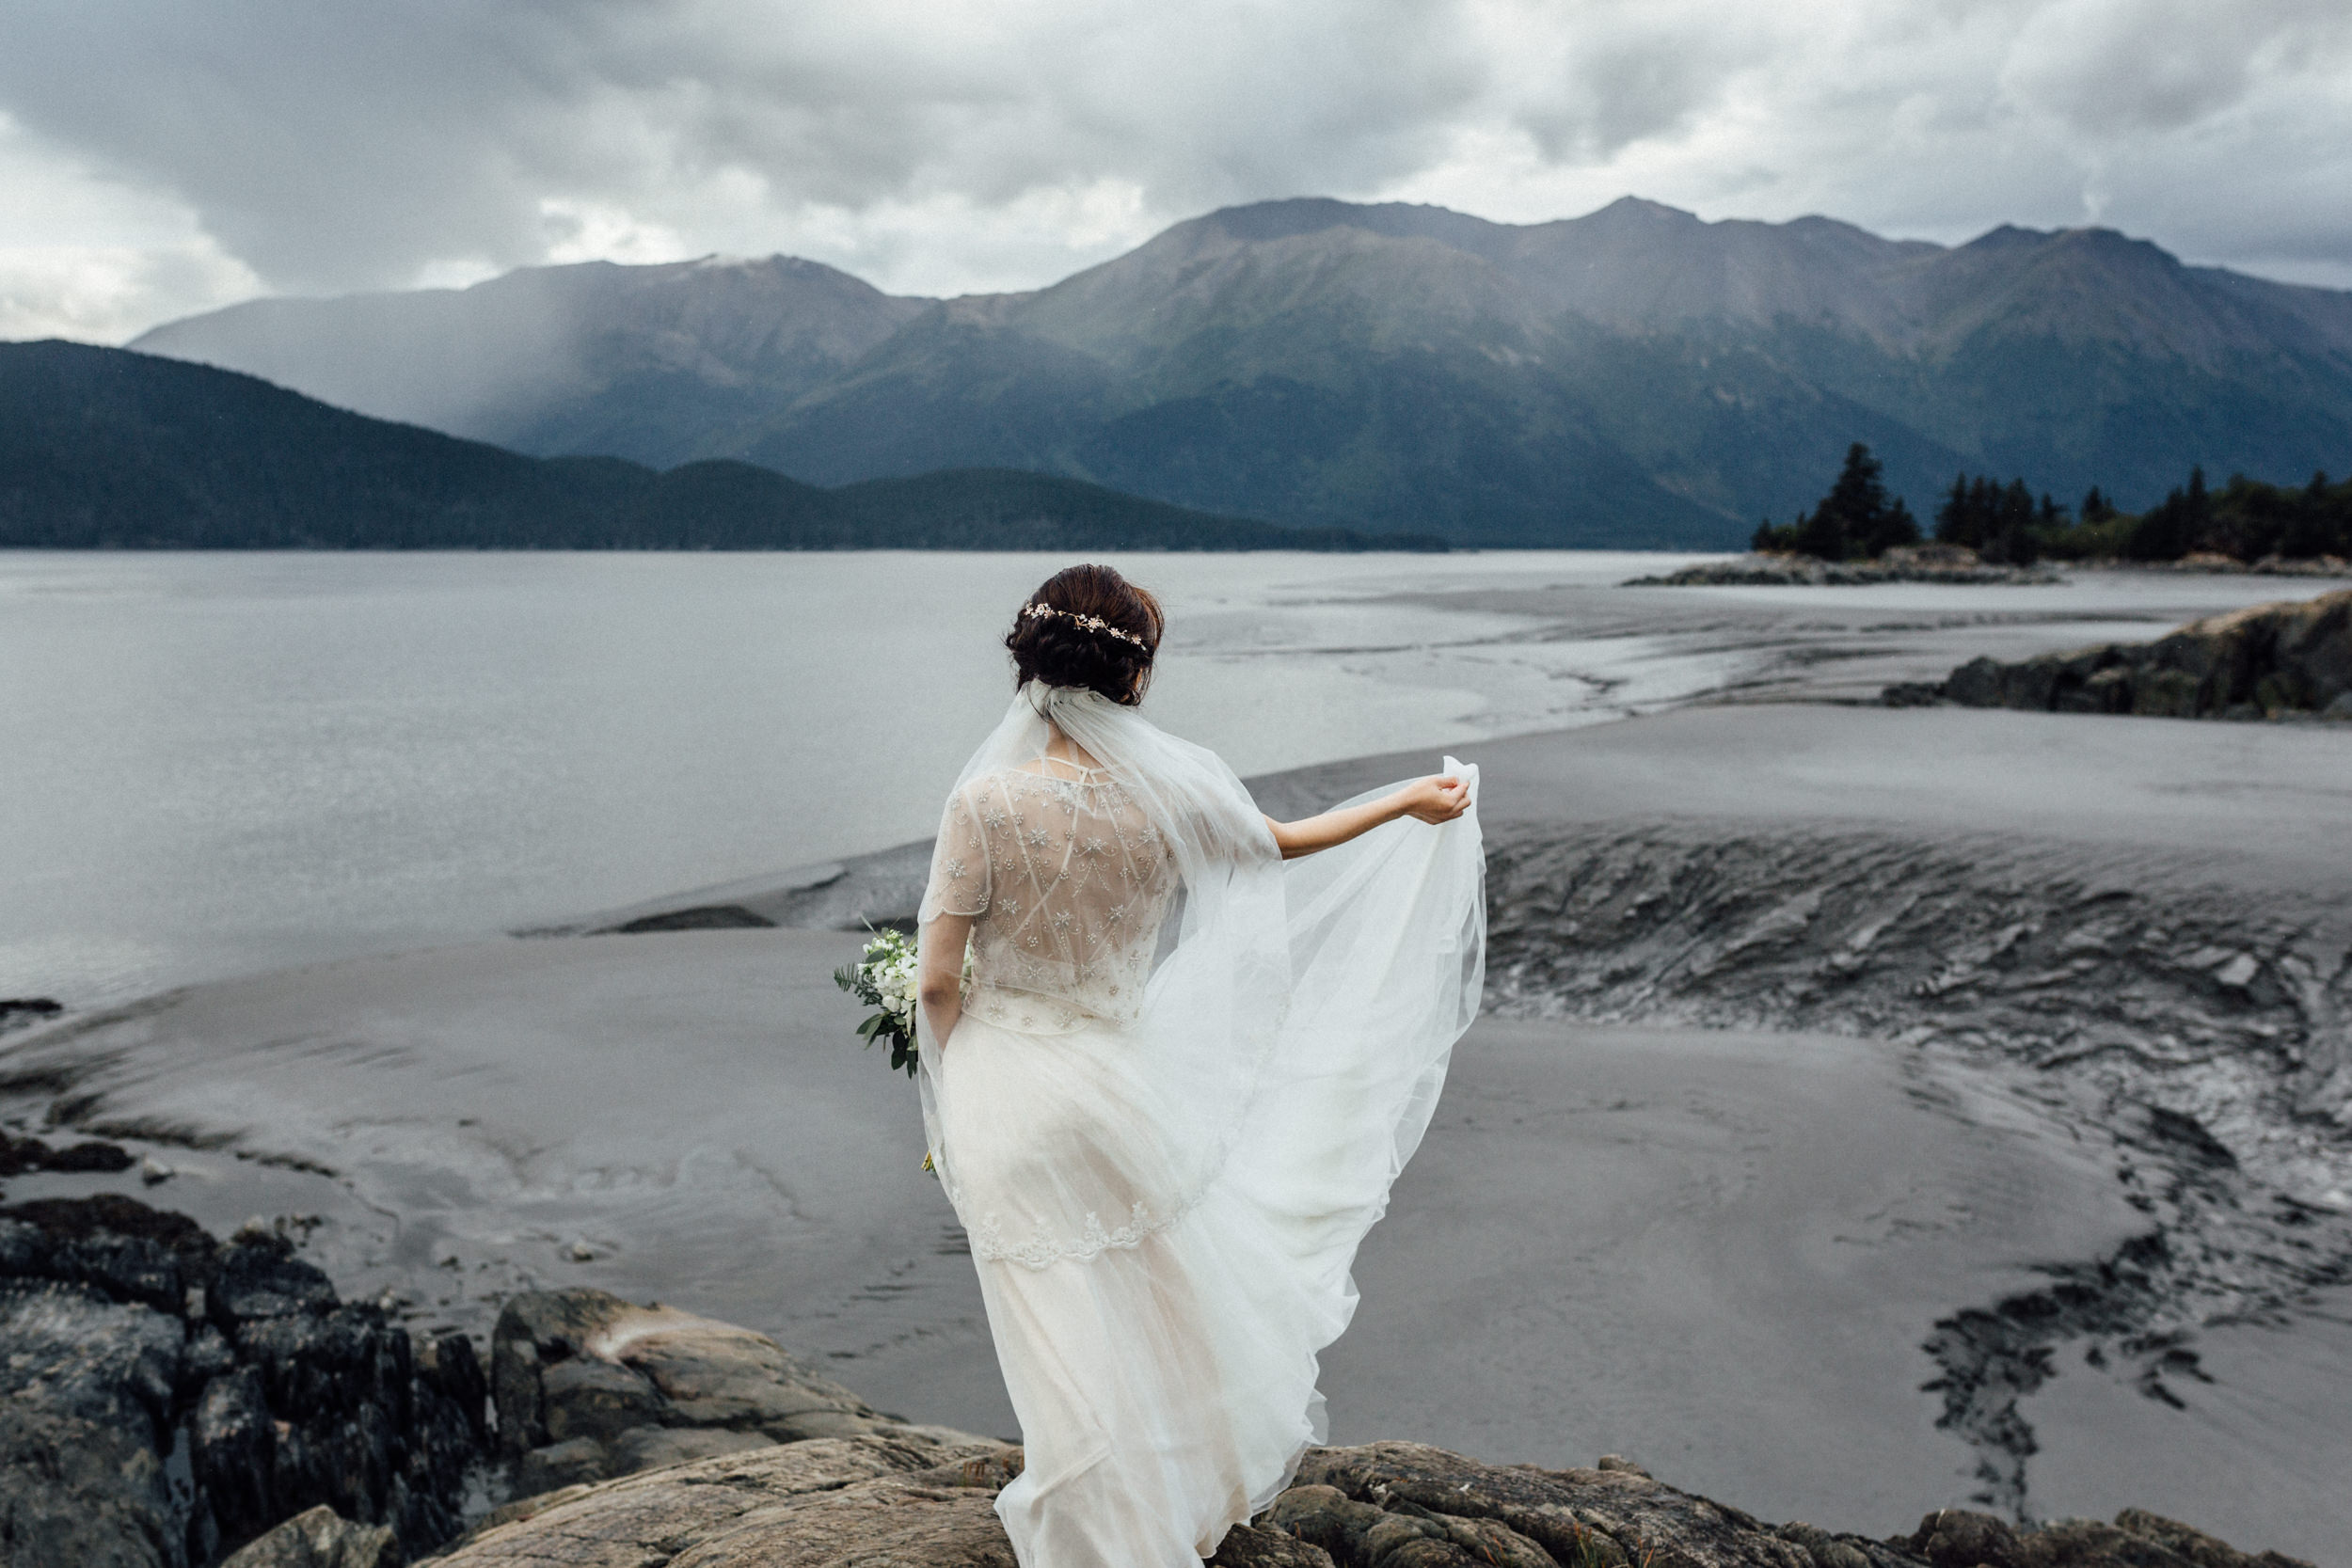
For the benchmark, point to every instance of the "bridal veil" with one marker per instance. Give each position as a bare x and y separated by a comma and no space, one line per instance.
1164,1204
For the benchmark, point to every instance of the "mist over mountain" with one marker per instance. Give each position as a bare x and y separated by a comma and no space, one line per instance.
107,447
1634,377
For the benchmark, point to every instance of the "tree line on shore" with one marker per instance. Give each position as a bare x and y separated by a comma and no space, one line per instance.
2246,520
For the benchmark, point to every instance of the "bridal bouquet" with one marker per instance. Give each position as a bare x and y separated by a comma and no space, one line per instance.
884,977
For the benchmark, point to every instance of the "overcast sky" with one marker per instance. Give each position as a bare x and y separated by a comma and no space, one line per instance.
159,157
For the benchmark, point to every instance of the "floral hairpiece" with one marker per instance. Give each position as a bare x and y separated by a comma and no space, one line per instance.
1091,622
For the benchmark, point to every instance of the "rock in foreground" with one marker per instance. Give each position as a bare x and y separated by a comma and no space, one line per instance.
2278,661
873,1499
130,1338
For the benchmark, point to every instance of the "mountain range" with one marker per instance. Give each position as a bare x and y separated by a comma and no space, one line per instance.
102,447
1635,376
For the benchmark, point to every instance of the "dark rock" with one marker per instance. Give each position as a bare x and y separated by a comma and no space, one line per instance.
571,1463
1576,1517
233,1454
74,1494
2192,1544
321,1538
208,1355
1247,1547
70,1350
1955,1538
20,1155
2268,661
286,1398
115,1245
1386,1541
1826,1550
1326,1516
92,1156
263,1279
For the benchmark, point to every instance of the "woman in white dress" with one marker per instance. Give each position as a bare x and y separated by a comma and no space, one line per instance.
1172,1068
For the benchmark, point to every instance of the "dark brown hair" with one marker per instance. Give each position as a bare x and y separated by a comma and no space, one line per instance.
1061,648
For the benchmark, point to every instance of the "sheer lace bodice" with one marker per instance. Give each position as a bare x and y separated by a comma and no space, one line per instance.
1066,882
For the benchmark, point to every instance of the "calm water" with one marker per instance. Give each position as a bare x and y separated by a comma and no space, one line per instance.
218,763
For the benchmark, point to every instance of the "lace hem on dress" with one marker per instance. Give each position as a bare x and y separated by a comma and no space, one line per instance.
1043,1250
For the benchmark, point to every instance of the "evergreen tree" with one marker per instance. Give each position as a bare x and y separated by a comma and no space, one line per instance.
1955,520
1857,520
2174,526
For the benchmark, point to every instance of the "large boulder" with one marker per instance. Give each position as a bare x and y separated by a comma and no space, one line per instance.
2266,661
590,1386
873,1499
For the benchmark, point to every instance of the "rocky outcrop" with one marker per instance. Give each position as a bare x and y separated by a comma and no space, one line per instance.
1388,1505
130,1338
2215,563
2268,661
590,1386
20,1155
1946,563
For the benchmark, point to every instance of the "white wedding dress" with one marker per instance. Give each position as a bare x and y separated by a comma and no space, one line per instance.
1185,1078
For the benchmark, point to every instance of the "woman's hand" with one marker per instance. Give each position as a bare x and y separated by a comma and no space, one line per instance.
1437,799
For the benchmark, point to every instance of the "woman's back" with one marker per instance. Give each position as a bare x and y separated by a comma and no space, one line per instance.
1066,882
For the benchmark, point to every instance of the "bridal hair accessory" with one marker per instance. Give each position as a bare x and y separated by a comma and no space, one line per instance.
1091,622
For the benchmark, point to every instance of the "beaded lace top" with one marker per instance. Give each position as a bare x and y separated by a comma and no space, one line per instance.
1066,882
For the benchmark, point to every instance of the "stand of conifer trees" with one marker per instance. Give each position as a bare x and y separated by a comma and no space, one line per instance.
2246,520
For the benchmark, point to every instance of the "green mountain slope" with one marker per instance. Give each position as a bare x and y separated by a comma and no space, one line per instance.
107,447
1634,377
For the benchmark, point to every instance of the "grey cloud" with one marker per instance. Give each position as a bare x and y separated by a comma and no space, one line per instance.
337,145
2124,67
342,147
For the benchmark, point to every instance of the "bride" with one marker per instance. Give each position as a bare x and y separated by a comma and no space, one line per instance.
1177,1066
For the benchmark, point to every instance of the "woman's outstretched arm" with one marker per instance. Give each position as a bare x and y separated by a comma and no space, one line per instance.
1440,799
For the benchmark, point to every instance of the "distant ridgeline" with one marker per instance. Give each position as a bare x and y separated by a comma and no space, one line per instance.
105,448
2245,521
1634,377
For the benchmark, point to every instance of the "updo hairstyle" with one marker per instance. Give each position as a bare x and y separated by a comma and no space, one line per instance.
1059,647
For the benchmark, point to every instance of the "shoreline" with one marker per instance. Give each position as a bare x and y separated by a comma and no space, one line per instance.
631,732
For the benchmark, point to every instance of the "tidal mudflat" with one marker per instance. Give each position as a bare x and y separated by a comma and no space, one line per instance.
1875,1109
